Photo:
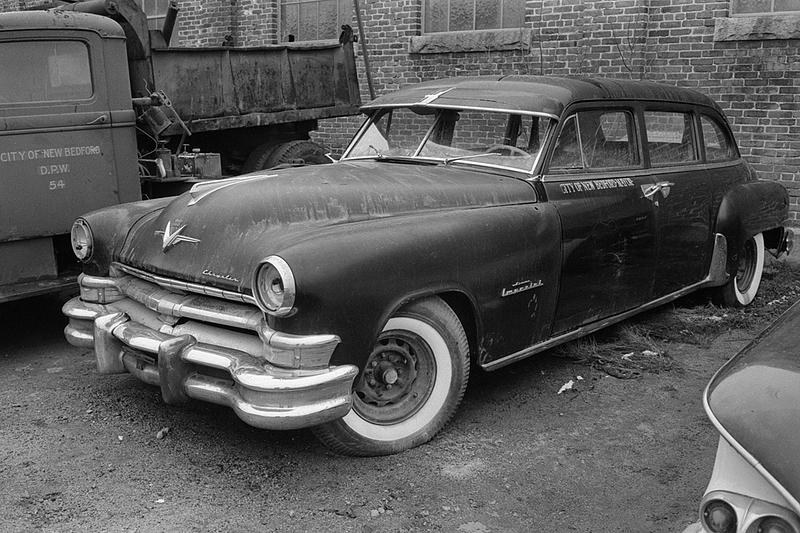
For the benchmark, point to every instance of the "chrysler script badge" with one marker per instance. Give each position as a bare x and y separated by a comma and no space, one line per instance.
170,238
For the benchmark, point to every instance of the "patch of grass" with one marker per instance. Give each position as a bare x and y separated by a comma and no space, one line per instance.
624,351
641,343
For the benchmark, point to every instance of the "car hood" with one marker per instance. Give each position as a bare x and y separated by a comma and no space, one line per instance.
755,398
218,233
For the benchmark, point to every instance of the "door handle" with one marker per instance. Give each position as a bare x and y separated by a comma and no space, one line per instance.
99,120
653,189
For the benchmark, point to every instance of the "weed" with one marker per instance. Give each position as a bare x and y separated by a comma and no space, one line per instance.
641,343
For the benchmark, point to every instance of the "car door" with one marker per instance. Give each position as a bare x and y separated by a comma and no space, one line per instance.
596,180
682,196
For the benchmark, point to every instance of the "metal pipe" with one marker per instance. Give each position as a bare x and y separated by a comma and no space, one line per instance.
169,20
364,49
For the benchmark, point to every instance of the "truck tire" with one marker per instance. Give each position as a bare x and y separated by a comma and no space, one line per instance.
259,158
410,386
741,289
309,152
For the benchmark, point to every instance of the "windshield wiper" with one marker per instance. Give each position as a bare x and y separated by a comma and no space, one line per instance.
449,160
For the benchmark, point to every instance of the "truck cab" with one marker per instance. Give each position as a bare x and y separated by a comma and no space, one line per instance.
67,140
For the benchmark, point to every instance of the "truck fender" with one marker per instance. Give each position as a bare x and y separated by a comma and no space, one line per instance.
748,209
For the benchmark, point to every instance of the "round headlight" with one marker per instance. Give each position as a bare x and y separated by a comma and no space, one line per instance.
719,517
773,524
82,239
274,287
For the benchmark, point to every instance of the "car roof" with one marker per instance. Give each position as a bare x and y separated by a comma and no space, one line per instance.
58,19
532,94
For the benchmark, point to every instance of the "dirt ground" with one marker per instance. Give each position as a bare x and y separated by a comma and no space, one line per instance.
627,449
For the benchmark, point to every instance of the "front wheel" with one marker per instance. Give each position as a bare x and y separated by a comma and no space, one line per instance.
741,289
410,386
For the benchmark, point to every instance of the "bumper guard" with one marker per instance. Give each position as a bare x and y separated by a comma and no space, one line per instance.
205,362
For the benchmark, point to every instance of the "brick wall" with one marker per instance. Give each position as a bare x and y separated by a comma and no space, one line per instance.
754,76
756,81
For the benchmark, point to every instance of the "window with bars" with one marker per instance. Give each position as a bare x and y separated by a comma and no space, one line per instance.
469,15
311,20
764,7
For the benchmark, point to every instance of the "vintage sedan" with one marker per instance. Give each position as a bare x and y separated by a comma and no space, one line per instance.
471,223
754,402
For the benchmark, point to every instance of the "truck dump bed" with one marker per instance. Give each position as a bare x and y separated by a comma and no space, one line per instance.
223,88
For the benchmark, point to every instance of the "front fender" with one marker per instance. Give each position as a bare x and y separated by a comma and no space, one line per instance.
748,209
352,277
110,226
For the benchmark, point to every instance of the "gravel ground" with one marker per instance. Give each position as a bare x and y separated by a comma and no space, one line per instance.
81,451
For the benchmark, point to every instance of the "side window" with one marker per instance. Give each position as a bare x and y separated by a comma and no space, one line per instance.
311,20
45,71
670,137
567,153
717,144
605,138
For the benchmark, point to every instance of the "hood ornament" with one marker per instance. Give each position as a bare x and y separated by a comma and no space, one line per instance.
170,238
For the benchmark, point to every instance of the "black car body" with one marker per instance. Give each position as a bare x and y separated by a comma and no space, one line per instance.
472,221
754,402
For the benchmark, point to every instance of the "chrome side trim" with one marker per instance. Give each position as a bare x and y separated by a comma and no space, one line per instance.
717,262
174,284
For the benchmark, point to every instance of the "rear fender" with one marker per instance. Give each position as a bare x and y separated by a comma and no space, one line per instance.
751,208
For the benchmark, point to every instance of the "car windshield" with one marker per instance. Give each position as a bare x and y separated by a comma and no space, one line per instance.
474,137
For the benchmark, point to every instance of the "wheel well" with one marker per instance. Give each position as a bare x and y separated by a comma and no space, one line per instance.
772,238
463,309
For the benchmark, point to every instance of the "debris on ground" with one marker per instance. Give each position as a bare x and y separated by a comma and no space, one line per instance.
566,386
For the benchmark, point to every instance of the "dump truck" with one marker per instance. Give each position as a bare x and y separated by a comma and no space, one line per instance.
96,109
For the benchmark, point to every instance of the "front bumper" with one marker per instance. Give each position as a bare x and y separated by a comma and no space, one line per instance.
206,348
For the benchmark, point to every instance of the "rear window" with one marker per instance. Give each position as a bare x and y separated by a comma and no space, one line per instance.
669,138
718,144
44,71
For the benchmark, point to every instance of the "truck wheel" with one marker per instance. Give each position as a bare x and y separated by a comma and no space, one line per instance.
741,289
309,152
411,384
259,158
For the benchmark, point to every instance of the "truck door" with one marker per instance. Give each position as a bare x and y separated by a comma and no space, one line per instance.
595,178
67,138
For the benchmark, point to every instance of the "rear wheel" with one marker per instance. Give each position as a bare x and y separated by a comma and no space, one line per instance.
741,289
410,386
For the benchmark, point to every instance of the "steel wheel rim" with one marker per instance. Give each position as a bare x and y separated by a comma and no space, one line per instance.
397,379
747,266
